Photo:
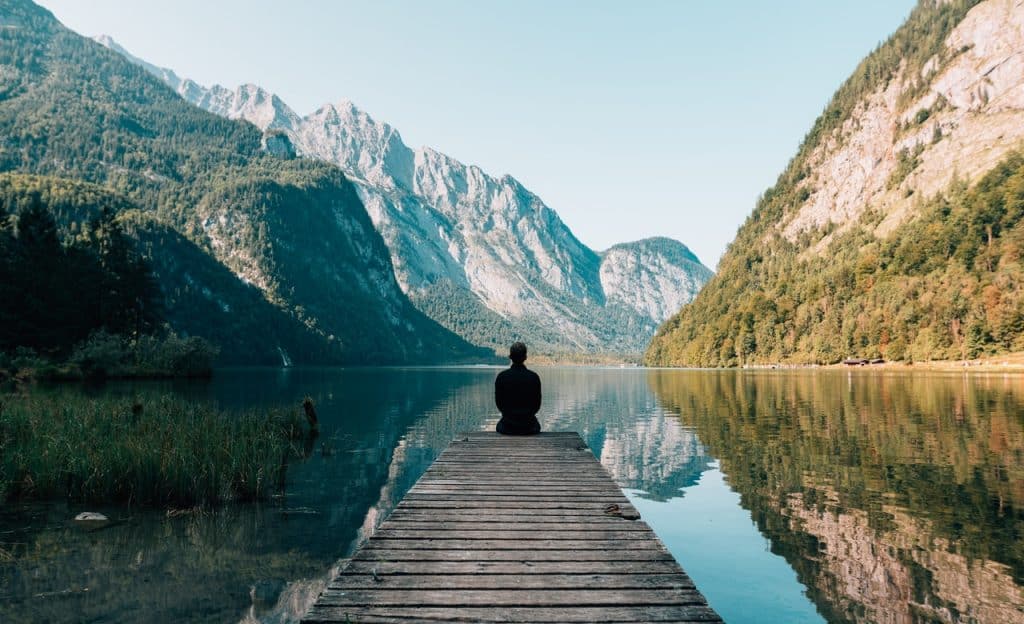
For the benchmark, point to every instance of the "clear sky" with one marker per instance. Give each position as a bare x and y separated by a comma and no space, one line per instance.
631,119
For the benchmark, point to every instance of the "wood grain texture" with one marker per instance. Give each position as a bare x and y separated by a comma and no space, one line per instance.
513,529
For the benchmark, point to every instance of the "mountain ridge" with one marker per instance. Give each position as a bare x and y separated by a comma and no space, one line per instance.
463,242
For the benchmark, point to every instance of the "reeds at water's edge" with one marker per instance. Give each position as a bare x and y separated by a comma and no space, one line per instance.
164,452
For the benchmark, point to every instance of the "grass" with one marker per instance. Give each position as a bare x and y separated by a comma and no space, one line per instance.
166,452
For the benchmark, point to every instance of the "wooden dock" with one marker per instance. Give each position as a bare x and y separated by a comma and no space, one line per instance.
513,529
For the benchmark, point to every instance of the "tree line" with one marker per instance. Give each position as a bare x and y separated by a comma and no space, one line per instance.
54,294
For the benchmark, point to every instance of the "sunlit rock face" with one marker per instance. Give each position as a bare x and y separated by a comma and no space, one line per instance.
656,276
967,119
480,254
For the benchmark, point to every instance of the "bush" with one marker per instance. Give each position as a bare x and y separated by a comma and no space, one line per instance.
102,354
173,356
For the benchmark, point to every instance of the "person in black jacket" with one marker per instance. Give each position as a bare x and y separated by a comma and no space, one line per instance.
517,395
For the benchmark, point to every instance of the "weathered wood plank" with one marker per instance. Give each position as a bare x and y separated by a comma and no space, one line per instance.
492,459
510,480
606,499
593,615
390,532
500,468
349,581
511,598
519,475
485,490
378,543
375,554
512,512
507,515
538,568
499,454
559,528
503,529
591,506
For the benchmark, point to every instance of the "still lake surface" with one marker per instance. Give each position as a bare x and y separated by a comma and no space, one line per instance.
788,496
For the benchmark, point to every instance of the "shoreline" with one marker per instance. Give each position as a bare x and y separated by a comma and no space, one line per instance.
1006,363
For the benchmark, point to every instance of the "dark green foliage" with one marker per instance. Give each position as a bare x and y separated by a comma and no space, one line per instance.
109,355
946,285
55,293
771,302
202,186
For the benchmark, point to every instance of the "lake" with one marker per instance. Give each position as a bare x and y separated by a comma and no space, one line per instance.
788,496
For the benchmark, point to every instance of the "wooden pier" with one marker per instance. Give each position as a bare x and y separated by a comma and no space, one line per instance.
513,529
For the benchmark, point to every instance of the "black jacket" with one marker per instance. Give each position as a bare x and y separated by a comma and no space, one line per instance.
517,395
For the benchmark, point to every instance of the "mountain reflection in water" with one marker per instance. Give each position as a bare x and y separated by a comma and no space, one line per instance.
895,497
892,498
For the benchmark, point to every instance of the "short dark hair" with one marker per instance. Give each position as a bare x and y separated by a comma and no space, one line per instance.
517,352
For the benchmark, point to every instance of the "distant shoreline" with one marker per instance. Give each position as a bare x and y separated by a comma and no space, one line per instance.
1006,363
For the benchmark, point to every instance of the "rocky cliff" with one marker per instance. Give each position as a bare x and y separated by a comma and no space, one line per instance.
890,233
480,254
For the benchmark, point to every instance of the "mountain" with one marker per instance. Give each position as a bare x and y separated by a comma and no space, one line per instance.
272,257
896,229
482,255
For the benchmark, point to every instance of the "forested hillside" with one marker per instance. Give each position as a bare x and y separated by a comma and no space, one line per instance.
57,287
896,230
238,238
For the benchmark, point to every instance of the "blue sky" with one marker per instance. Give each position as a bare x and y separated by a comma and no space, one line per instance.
631,119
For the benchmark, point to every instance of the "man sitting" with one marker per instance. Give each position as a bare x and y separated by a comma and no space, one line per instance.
517,395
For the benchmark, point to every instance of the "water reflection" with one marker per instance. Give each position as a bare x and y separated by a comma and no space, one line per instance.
380,429
896,498
891,498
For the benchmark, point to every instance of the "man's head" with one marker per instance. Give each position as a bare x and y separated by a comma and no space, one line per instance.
517,353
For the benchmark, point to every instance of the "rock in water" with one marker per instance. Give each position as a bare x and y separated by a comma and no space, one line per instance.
91,519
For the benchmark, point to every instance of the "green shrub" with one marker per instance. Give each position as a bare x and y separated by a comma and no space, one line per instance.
102,354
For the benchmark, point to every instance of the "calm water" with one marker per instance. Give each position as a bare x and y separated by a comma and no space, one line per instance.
827,496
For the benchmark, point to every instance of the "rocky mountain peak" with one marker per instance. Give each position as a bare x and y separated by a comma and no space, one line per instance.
346,135
654,276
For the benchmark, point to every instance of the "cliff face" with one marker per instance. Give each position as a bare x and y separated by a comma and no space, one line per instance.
655,277
959,115
844,256
480,254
